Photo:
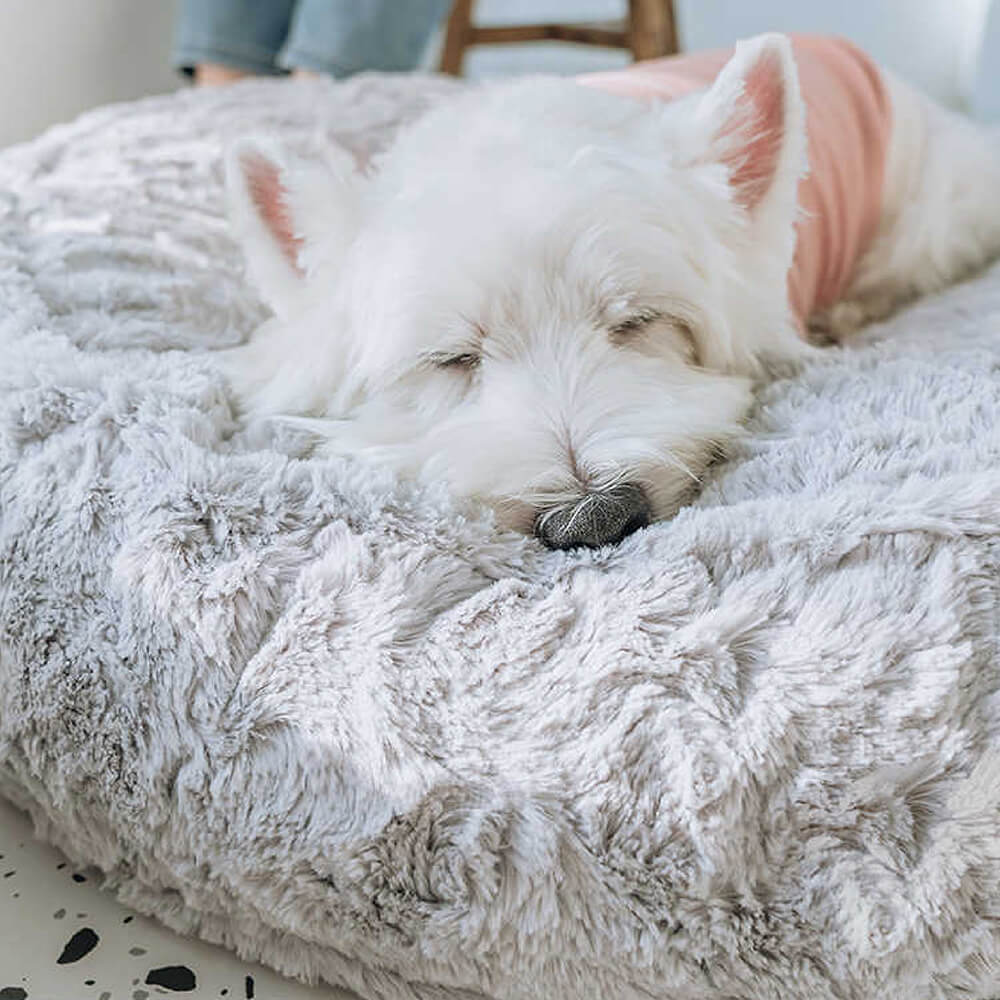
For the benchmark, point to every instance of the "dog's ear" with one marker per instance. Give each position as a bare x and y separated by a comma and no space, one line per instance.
756,121
290,215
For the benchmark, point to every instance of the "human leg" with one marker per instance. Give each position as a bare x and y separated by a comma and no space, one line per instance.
341,37
220,40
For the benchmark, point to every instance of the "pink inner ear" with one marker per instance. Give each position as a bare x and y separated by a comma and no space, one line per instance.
270,198
760,124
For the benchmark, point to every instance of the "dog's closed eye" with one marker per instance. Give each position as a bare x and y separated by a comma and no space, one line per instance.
634,323
464,361
628,331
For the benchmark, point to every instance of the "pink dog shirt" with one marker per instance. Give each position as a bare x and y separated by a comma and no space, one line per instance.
848,123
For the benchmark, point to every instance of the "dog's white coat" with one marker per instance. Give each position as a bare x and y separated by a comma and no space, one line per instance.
523,224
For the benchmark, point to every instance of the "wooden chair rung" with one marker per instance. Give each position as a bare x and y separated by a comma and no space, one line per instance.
613,34
649,31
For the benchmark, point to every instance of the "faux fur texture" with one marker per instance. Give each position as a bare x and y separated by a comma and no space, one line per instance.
333,722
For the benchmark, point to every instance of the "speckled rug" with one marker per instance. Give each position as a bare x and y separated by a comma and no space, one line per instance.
62,938
319,716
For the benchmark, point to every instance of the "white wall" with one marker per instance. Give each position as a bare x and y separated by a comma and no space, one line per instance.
60,57
934,43
985,85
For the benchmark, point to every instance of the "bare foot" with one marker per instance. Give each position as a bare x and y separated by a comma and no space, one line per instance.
306,74
217,75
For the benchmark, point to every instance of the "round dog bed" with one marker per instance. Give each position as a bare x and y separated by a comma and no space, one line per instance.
349,729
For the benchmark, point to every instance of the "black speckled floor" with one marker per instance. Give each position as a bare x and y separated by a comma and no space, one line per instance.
61,938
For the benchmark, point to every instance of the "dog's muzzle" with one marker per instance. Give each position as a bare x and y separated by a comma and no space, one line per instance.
599,518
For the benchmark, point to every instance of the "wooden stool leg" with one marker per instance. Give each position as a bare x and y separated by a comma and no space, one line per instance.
652,28
456,37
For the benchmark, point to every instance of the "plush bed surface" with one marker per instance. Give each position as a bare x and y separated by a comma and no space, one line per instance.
332,721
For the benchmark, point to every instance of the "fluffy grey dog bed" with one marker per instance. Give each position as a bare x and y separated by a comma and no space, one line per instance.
324,718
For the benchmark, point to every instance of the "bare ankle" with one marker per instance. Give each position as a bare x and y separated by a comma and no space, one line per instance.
217,75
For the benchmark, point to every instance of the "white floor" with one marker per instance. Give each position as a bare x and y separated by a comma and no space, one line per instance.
108,952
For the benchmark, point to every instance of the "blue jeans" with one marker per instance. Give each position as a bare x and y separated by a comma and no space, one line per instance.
329,36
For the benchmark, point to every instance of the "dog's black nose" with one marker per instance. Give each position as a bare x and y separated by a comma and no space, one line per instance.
600,518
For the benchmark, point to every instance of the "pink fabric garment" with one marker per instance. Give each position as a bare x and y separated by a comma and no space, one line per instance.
849,123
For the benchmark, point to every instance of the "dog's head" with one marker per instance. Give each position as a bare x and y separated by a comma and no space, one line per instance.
550,296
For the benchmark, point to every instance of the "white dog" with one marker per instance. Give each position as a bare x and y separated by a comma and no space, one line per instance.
556,294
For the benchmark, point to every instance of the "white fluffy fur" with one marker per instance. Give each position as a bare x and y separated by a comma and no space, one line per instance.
592,252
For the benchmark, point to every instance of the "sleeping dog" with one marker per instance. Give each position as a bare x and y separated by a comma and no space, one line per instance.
556,294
